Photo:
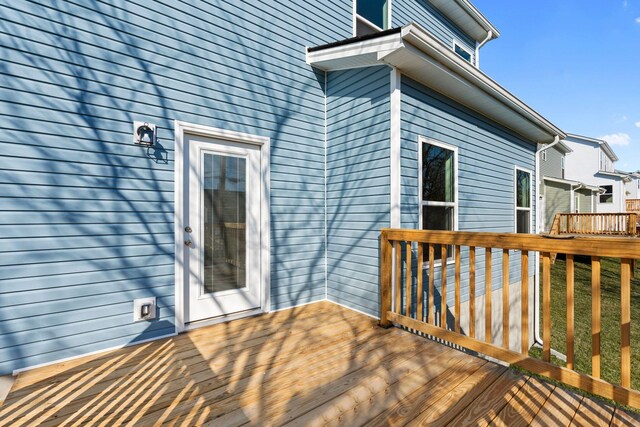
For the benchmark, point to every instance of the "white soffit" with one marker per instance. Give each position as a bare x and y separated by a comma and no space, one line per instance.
423,58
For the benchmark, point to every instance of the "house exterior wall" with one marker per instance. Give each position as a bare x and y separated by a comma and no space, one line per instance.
552,166
87,218
618,204
358,183
557,199
632,189
585,200
584,165
424,13
486,189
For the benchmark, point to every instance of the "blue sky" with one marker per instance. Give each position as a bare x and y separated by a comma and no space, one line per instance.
577,62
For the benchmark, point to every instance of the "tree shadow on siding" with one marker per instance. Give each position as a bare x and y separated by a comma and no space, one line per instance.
106,209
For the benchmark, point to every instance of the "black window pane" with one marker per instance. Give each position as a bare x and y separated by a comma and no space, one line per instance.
607,196
523,219
374,11
437,174
437,217
523,189
463,53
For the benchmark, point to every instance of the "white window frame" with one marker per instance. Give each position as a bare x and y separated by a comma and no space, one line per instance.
515,198
424,140
357,17
461,46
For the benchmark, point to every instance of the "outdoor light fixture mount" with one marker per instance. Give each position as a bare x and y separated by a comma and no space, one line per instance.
144,133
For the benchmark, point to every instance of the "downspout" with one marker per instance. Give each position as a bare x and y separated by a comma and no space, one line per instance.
479,45
536,288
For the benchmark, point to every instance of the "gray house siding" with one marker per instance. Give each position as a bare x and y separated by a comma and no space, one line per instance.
86,223
358,200
585,202
557,199
552,167
424,13
487,157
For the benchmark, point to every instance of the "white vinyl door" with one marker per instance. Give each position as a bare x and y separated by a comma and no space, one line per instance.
223,228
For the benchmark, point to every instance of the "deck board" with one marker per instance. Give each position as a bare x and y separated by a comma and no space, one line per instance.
312,365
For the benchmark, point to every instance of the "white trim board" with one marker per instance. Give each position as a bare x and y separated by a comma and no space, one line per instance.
180,188
394,136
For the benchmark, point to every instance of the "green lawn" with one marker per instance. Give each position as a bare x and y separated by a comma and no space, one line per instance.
610,322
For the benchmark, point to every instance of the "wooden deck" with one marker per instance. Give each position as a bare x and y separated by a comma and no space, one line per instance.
313,365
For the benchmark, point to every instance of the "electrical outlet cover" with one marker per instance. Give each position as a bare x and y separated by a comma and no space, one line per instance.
137,308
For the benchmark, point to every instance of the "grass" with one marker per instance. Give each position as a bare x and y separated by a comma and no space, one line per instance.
610,318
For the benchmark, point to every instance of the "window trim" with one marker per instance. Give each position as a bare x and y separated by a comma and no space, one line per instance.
515,198
425,140
461,46
356,17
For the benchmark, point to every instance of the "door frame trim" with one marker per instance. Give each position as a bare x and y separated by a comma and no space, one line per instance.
264,143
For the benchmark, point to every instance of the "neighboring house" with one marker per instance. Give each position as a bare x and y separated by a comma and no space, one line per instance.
558,194
280,146
592,162
632,187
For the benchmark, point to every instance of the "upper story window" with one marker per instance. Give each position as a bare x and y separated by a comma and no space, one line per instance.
371,16
523,201
544,156
562,167
605,162
462,52
438,203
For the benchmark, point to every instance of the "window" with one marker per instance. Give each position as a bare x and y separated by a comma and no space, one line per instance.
439,187
523,201
371,16
605,162
607,195
544,156
464,54
562,167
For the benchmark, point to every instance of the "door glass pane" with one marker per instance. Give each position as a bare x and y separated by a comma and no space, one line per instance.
224,214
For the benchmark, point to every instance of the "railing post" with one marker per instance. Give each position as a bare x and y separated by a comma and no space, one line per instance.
385,279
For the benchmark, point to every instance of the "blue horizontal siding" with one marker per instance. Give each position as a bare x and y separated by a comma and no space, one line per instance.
86,217
357,183
487,156
440,26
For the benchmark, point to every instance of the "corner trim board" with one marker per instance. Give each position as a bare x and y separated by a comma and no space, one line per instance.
395,134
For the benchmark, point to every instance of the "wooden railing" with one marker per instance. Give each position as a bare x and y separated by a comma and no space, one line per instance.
609,224
407,301
633,205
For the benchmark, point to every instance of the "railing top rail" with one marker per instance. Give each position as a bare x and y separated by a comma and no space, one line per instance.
616,247
597,214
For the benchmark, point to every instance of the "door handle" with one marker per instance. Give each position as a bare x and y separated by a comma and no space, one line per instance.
188,243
